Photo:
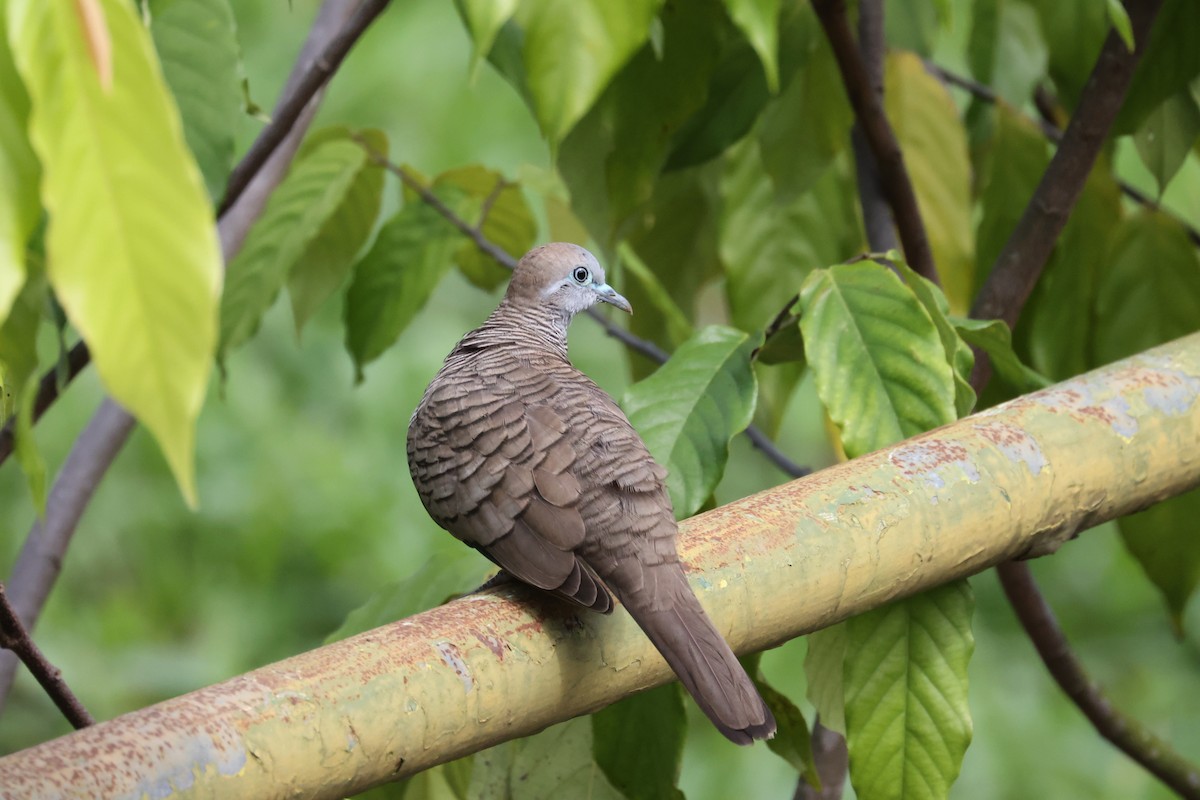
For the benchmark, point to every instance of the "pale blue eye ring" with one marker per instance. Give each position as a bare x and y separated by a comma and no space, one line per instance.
581,274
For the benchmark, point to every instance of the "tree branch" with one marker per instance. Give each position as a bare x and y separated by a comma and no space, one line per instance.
42,555
877,214
51,385
14,637
1129,735
314,76
643,347
1005,293
878,133
1024,256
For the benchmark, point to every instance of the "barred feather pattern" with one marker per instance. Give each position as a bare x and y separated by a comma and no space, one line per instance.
518,454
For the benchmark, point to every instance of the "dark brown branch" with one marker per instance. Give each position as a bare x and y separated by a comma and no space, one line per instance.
14,637
1024,256
1129,735
877,214
48,390
639,345
868,110
284,119
1008,288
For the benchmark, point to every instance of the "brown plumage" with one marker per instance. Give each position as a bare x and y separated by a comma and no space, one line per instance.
520,455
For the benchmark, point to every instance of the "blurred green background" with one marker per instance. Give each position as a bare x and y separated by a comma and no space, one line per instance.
307,508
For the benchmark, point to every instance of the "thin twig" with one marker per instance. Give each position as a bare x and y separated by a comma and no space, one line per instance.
287,112
502,257
868,110
783,317
51,385
1127,733
14,637
1052,132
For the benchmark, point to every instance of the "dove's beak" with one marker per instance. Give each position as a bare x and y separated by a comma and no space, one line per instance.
609,295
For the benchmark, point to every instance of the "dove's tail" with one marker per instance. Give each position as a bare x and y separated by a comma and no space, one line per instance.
667,610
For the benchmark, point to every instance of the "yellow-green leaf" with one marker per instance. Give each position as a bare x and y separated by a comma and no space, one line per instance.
131,244
759,20
934,143
572,50
18,176
299,209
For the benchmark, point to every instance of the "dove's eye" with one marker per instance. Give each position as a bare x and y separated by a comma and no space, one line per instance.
581,275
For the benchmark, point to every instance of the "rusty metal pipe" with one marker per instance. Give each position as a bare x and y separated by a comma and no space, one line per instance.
1017,480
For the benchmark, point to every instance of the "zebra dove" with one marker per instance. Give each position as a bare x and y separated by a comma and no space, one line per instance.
521,456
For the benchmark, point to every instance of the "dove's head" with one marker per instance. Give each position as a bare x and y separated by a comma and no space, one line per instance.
564,277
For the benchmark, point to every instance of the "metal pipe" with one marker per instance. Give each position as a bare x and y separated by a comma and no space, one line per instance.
1018,480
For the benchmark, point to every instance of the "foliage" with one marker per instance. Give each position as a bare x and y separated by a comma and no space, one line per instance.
703,150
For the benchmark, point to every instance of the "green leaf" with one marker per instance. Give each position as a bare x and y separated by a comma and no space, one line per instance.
556,763
692,406
1074,30
792,741
768,246
484,19
934,143
786,346
437,581
679,329
913,25
1167,136
19,206
392,282
1150,291
1006,49
638,742
907,720
1056,326
572,50
18,380
957,352
324,264
1170,63
1013,167
994,338
823,670
1119,18
197,44
676,238
737,92
503,217
804,129
878,361
620,147
296,213
759,20
1163,540
131,246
